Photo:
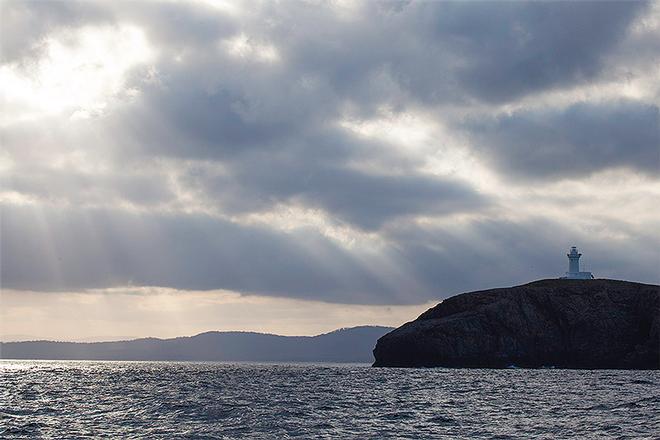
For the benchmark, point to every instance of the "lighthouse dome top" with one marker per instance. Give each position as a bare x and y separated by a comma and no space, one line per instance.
574,266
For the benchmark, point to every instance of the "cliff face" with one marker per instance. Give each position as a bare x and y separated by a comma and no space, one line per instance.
559,323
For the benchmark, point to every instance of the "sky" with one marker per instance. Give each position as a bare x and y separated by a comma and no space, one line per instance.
172,167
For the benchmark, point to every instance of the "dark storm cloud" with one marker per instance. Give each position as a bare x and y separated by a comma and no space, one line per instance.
369,200
438,52
26,23
275,155
488,253
431,53
571,142
215,106
512,49
362,199
83,188
54,249
316,172
181,117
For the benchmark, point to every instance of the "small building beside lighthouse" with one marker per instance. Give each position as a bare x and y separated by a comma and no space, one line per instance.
574,267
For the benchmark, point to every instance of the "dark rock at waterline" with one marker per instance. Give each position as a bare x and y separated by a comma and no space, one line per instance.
558,323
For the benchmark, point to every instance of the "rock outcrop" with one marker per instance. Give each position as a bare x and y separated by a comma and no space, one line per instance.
549,323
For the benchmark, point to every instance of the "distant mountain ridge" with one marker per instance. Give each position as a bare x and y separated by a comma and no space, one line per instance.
343,345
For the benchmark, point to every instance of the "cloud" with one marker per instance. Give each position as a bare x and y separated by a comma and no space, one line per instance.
176,25
493,252
25,24
63,249
88,188
238,115
361,198
512,49
210,102
55,249
370,200
583,138
452,51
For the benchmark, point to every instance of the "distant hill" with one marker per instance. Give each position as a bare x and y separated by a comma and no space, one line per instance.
559,323
343,345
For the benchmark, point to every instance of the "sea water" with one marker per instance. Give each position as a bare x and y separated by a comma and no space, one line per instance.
97,399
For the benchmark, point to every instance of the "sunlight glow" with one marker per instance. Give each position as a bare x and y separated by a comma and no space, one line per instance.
79,72
292,216
131,312
425,139
408,129
231,8
244,47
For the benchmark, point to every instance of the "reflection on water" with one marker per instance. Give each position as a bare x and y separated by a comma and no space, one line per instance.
196,400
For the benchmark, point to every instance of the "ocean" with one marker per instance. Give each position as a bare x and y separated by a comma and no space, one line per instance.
106,399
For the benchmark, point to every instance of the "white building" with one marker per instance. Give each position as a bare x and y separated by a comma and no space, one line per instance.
574,266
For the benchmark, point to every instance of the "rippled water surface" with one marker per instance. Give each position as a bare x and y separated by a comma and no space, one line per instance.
211,400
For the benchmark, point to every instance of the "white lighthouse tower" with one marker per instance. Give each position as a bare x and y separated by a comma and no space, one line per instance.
574,266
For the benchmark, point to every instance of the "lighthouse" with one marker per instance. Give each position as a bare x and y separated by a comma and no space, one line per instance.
574,266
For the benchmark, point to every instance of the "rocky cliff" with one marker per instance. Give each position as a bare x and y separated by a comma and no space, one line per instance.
552,323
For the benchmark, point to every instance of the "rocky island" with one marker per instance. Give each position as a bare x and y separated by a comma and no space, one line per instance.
561,323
